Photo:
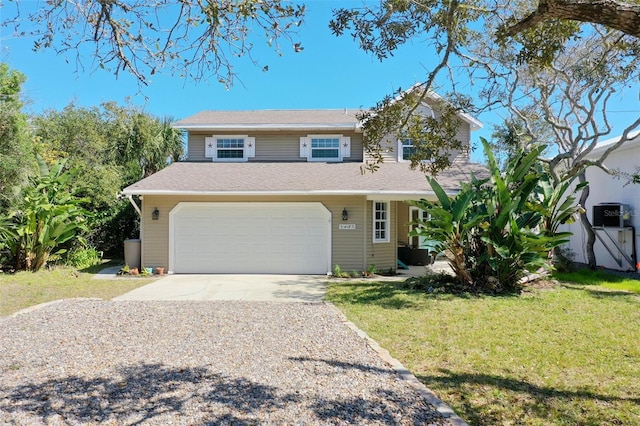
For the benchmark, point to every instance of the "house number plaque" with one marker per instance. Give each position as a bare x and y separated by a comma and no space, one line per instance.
347,226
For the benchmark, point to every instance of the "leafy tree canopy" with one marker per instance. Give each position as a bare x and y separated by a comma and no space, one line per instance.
14,137
111,146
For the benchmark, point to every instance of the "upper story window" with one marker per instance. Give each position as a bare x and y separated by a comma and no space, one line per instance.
380,222
325,147
328,148
230,148
406,149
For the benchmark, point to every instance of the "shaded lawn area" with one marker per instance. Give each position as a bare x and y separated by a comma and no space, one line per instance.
560,356
24,289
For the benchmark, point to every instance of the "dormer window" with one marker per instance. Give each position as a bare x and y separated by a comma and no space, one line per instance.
230,148
325,147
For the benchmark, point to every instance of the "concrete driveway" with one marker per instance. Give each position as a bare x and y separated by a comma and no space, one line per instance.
281,288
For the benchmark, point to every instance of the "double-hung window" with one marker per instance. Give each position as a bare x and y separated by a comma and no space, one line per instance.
325,147
407,149
380,222
229,148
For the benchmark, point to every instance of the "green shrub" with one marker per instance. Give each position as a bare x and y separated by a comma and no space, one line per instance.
339,273
497,229
83,258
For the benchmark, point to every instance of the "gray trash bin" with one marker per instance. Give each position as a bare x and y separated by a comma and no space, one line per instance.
132,252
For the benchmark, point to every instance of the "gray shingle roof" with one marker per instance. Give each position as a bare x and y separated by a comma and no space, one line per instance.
272,118
392,179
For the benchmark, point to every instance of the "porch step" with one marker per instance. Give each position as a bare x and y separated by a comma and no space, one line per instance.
401,265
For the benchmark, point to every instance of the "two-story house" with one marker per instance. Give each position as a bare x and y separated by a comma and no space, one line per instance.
281,191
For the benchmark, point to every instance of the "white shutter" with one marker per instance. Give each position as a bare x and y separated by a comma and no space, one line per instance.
400,151
250,147
210,147
345,146
305,147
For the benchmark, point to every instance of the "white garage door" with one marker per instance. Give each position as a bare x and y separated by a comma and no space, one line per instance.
250,238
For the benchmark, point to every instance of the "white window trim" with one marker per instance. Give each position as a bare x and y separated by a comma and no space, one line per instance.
386,221
248,151
422,214
401,152
427,111
401,145
344,148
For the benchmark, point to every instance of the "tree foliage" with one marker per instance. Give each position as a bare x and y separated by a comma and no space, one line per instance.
111,146
193,39
14,137
431,127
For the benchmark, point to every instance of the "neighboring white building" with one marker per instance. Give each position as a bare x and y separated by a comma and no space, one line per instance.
605,188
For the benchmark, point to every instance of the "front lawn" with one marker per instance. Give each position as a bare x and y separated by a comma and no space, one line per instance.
599,278
559,356
24,289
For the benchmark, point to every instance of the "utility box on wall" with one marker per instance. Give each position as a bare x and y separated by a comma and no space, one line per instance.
611,215
616,234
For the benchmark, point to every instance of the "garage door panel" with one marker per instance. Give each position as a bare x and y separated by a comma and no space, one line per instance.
250,238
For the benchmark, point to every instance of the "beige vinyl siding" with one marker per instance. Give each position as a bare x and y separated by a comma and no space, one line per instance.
346,249
278,147
195,147
389,144
382,255
357,148
271,146
402,227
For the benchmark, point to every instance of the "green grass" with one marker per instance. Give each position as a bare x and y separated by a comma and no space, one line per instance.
599,278
561,356
24,289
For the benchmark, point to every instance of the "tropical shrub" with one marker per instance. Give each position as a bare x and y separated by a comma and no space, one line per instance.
83,257
491,231
48,217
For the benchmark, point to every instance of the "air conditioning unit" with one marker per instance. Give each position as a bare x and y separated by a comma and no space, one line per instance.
611,215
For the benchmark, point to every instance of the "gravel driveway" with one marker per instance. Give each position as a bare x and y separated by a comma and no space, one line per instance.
196,363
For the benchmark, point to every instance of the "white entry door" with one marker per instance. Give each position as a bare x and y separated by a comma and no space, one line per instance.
250,238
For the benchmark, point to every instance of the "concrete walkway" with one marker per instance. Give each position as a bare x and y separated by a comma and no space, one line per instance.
281,288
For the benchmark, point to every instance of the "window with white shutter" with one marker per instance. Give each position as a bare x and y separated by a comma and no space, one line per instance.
325,147
230,148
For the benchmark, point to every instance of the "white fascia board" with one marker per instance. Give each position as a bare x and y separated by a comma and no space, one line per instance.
634,140
371,195
274,126
473,122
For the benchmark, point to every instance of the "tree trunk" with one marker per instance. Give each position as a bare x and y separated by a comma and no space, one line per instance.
619,15
586,225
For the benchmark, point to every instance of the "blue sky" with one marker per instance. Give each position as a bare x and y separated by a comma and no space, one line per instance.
330,72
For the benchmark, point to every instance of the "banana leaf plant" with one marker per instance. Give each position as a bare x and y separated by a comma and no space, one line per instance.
492,230
49,216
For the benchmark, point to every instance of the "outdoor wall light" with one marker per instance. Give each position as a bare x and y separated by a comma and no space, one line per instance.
155,214
345,214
